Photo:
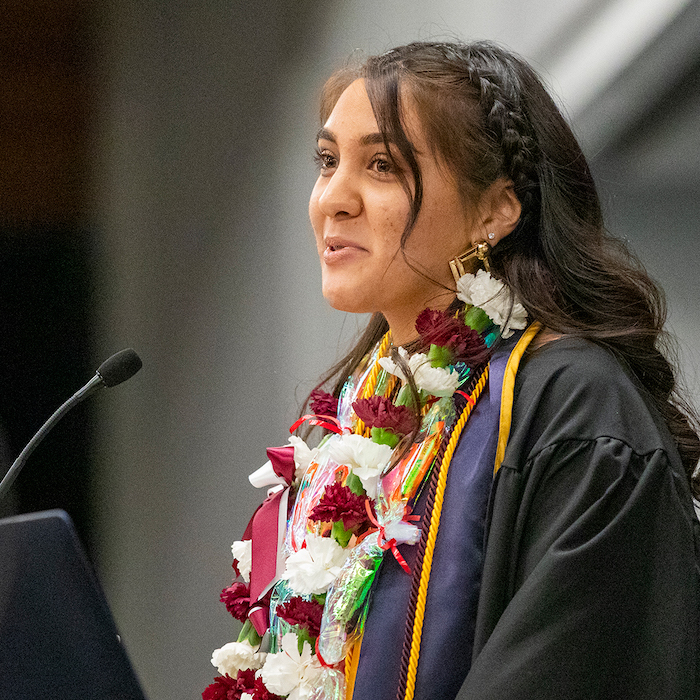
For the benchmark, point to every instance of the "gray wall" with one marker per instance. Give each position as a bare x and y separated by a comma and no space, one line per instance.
203,159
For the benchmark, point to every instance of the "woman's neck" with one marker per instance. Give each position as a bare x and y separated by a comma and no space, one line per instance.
403,325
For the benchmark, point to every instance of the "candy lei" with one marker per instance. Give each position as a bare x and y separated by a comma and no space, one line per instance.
353,499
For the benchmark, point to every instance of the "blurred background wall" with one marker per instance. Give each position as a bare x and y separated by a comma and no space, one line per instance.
155,165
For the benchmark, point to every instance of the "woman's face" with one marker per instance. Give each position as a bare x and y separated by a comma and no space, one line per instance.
359,209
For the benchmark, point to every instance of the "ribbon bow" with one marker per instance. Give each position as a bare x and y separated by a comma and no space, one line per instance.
326,422
391,544
267,529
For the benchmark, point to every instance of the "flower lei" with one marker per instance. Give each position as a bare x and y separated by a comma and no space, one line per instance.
354,494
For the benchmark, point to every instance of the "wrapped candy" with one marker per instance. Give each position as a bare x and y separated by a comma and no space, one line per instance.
347,601
345,611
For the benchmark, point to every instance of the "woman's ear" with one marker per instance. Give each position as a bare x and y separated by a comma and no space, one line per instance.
501,211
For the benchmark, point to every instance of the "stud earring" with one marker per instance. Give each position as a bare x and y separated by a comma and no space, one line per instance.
491,236
471,260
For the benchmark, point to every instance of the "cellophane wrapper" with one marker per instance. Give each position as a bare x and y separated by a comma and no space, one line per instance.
330,686
346,610
281,593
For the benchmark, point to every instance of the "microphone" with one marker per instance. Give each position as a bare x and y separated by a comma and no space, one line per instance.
117,369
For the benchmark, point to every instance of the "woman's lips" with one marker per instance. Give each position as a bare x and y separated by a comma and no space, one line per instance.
341,251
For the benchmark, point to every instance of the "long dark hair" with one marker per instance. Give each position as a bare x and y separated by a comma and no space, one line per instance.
486,114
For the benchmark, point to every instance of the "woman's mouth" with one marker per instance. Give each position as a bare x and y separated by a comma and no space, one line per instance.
341,251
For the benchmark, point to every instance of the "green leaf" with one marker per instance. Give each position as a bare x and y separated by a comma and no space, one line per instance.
440,356
249,634
477,319
304,636
385,436
340,534
405,398
355,485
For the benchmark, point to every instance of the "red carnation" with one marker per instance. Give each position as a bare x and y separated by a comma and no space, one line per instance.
444,330
340,503
262,693
236,598
223,688
227,688
302,613
380,412
323,404
245,681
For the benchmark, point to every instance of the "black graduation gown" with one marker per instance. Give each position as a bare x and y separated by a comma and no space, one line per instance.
591,581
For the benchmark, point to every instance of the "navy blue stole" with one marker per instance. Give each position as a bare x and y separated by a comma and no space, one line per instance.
453,592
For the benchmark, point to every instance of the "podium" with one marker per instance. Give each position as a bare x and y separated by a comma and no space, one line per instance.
57,636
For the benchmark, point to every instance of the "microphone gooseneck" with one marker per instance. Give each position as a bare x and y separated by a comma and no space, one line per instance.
117,369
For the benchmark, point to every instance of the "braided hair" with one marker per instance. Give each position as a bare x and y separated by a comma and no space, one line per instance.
486,115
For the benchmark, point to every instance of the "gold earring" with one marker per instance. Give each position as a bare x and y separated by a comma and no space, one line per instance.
470,260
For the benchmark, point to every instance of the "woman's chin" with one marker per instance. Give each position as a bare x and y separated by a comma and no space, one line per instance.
352,303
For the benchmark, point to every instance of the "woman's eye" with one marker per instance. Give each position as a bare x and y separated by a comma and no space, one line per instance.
325,160
382,166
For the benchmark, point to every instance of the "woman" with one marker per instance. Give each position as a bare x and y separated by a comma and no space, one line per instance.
502,499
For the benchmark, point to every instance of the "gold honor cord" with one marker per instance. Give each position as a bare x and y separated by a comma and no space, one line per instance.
508,389
352,661
371,383
432,536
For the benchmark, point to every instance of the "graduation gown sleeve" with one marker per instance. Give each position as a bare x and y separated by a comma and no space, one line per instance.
591,583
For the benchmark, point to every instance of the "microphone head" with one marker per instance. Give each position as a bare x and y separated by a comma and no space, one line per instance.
121,366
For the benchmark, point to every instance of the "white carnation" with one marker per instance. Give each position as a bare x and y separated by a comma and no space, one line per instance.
438,381
313,568
234,656
247,696
392,367
303,455
289,672
492,297
242,551
402,532
517,320
365,458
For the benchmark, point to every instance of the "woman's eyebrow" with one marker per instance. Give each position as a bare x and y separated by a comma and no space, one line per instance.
367,140
325,135
372,139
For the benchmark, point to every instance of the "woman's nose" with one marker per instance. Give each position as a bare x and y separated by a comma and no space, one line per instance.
341,196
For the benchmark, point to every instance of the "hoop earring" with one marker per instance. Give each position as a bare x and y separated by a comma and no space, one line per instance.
471,260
